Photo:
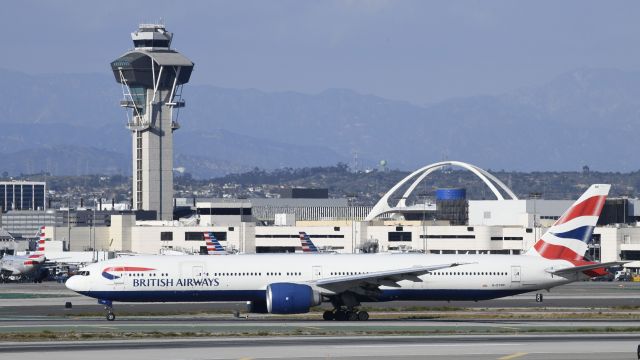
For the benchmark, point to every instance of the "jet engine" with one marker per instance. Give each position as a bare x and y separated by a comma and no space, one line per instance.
288,298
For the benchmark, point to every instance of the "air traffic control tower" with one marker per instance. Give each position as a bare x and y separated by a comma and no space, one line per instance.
152,76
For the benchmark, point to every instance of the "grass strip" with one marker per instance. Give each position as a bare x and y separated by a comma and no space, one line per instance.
48,335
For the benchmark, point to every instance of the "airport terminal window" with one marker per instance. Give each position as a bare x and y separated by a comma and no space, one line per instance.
630,255
399,236
166,236
224,211
297,236
193,236
199,236
449,236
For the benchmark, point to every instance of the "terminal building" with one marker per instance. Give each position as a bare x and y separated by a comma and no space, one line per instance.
503,226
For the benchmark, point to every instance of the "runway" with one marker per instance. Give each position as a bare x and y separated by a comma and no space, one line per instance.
581,295
587,347
402,330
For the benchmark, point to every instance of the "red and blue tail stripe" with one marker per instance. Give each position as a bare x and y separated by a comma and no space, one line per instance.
570,235
213,245
307,244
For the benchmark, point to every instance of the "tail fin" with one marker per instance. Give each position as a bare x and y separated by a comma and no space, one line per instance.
38,255
567,239
213,245
307,244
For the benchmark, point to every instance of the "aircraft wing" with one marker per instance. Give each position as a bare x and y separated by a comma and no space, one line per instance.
578,269
373,280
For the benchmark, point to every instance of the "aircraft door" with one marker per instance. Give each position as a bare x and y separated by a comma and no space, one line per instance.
316,272
191,270
196,271
515,274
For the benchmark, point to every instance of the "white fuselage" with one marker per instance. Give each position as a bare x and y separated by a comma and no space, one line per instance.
13,265
246,277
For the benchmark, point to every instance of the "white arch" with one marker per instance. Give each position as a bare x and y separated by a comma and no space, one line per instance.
383,204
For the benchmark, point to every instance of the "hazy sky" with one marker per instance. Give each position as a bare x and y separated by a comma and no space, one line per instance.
420,51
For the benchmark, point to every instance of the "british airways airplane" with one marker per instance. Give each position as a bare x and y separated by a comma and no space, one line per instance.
293,283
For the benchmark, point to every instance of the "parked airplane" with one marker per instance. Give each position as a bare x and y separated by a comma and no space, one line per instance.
14,266
307,244
213,245
291,284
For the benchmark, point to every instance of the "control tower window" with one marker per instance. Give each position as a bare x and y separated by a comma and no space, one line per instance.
139,96
151,43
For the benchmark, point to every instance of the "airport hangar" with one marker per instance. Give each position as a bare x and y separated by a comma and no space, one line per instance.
507,225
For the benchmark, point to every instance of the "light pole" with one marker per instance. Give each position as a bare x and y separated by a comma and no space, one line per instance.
94,254
535,196
69,223
424,198
350,200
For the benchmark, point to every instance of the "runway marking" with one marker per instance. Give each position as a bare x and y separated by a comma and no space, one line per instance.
513,356
424,345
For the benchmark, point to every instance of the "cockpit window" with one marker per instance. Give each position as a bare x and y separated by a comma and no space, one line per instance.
83,273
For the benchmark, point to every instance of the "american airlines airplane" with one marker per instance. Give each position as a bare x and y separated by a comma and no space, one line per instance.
213,245
18,266
307,245
293,283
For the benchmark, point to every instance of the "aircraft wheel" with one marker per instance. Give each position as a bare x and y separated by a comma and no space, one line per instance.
363,316
328,315
340,315
111,316
352,316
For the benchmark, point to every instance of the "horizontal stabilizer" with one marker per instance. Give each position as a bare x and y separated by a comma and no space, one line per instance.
577,269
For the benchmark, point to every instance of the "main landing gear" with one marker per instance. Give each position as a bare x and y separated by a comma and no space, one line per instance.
108,307
345,309
344,314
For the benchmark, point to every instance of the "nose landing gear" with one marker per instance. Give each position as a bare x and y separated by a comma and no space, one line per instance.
110,315
108,307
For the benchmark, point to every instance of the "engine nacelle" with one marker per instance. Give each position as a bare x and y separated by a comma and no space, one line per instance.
288,298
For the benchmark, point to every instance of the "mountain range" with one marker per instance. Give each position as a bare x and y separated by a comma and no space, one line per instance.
72,124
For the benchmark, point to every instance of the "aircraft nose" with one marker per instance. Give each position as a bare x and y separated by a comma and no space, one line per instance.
74,283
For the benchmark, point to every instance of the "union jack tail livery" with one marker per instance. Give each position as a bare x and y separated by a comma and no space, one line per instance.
569,236
307,244
213,245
